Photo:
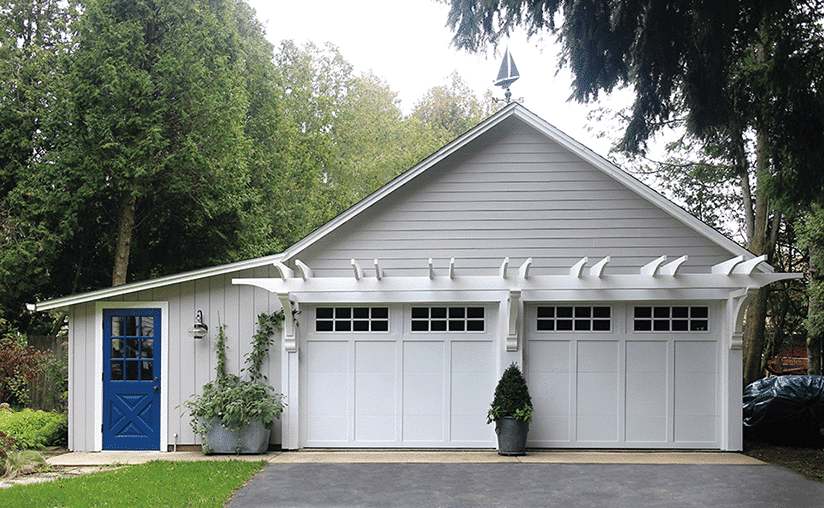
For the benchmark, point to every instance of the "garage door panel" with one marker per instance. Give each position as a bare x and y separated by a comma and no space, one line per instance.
597,356
375,400
423,429
328,430
695,356
646,429
472,357
549,430
597,429
550,393
694,394
696,429
470,430
375,429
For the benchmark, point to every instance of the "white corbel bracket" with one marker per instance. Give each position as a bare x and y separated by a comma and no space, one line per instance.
737,305
512,331
289,309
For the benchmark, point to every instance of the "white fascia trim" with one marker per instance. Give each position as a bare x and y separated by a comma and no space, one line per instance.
400,181
101,294
635,185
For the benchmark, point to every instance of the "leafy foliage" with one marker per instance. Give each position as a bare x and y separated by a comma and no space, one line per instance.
20,364
811,238
34,430
150,137
229,399
511,397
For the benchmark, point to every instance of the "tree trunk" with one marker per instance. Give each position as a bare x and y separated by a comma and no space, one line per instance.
814,312
124,238
755,326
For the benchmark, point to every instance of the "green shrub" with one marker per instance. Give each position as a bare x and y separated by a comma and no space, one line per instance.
34,430
511,397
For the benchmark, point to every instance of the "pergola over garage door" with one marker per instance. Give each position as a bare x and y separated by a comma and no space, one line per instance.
624,375
412,376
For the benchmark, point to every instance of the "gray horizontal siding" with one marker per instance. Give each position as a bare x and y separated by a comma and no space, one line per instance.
511,192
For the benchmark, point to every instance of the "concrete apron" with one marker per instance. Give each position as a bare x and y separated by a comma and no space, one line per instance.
79,459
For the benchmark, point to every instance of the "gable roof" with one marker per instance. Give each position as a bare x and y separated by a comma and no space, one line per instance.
513,110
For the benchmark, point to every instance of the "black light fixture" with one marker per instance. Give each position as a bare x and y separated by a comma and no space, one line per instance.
199,329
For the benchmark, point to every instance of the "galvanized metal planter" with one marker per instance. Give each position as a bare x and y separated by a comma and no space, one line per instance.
511,435
250,439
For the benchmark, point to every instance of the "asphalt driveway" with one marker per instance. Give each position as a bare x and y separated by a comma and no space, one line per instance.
410,485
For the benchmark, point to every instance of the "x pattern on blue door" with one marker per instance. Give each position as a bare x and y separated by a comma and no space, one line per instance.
131,379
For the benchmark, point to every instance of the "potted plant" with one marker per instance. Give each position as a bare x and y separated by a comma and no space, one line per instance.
511,410
235,415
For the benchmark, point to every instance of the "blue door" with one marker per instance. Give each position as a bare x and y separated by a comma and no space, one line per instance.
131,379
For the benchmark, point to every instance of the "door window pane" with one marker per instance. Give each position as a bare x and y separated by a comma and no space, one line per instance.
147,326
117,370
132,370
132,347
131,325
146,373
117,348
147,348
117,326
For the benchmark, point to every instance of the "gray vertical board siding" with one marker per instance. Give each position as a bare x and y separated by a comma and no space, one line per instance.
511,192
191,362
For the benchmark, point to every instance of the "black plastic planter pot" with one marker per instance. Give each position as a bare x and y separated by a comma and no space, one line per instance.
511,435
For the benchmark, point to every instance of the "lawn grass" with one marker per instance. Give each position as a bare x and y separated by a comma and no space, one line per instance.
154,484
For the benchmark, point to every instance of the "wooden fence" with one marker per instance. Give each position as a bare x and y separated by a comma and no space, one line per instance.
48,392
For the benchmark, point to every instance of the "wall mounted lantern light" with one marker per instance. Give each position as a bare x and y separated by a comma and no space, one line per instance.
199,329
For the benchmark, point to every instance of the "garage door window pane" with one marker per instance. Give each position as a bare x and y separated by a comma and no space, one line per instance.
447,319
574,319
352,319
671,319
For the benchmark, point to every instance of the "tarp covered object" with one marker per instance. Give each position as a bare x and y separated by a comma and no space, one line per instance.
785,410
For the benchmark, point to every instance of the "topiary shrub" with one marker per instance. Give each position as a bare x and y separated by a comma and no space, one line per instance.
511,397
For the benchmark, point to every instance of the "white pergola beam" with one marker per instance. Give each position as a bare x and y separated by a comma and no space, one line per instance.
504,267
523,272
452,268
748,267
652,267
378,270
577,268
672,267
356,268
728,266
305,271
597,269
431,270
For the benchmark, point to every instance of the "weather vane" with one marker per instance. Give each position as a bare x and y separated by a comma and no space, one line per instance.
507,75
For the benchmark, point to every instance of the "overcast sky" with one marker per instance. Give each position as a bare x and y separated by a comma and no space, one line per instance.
407,44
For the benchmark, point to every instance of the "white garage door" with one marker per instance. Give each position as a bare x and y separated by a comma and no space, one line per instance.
623,376
398,376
